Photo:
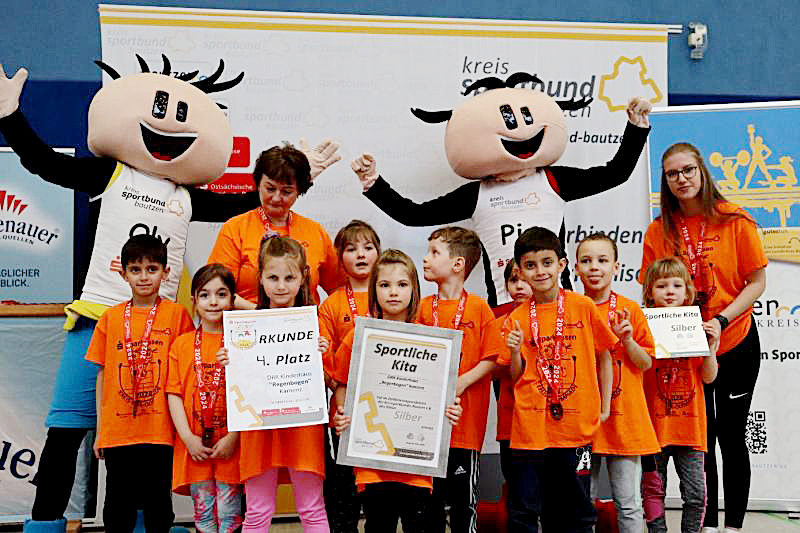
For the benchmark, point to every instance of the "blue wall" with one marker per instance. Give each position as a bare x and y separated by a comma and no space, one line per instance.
753,45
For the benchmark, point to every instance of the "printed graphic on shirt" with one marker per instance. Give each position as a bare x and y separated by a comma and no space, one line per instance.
150,378
675,387
565,366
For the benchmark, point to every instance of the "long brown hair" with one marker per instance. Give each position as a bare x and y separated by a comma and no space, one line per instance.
276,246
710,196
394,257
667,267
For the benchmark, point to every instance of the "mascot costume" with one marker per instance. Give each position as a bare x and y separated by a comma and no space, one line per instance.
155,136
505,139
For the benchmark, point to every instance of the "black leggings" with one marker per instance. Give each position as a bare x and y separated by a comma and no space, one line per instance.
56,472
731,393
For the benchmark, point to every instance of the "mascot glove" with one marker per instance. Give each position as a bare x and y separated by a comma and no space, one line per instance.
10,90
366,169
321,156
639,112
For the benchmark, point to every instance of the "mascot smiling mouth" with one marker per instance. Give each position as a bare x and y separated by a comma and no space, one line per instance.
524,149
163,145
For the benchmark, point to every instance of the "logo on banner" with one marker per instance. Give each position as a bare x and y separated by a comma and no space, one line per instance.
19,225
615,88
776,314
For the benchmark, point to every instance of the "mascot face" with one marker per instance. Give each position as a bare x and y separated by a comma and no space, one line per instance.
505,130
161,125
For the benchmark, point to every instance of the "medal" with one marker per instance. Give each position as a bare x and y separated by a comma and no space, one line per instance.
208,437
694,254
556,411
268,231
138,368
551,370
208,392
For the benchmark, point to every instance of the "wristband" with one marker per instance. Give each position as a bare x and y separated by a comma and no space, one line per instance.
723,322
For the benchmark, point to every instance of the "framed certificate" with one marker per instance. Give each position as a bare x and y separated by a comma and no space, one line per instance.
677,331
274,378
402,377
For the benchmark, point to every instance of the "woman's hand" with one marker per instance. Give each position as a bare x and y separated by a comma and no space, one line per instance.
639,112
240,303
222,356
321,156
340,420
366,169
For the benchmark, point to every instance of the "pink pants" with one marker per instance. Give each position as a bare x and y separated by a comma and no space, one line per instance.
262,490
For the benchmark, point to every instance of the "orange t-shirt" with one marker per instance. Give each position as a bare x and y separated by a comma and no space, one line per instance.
628,430
238,244
494,345
585,334
152,423
677,383
341,370
731,252
183,382
469,432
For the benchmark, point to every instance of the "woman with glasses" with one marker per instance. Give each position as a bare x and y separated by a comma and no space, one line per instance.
718,242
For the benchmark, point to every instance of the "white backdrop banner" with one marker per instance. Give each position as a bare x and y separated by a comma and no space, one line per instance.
355,78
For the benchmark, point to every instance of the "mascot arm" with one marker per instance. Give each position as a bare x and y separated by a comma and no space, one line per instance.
210,206
454,206
85,174
575,183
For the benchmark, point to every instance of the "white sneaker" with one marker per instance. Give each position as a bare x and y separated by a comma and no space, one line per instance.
709,530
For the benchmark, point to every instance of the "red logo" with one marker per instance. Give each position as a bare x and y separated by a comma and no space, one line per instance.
240,155
10,202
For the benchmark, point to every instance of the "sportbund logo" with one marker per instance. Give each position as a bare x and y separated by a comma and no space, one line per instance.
14,226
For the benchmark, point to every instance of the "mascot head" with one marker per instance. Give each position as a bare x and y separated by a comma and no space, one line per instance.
504,130
163,125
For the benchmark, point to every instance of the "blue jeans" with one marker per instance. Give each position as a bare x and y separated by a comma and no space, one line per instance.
554,485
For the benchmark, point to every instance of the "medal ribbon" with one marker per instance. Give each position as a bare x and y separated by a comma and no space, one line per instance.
612,308
268,231
208,393
351,301
462,303
138,367
552,372
695,255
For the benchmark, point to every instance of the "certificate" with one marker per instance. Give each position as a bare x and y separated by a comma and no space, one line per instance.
677,331
402,377
274,378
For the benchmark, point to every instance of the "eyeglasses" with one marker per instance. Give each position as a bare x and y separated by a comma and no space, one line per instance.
687,172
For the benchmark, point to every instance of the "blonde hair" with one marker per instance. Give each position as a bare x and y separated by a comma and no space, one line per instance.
394,257
666,267
274,247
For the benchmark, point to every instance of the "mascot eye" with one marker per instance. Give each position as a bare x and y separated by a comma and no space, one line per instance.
508,116
526,115
182,112
160,104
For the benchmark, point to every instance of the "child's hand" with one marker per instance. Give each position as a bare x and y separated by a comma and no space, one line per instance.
454,411
514,338
324,344
713,333
222,356
622,326
340,420
225,446
198,452
98,452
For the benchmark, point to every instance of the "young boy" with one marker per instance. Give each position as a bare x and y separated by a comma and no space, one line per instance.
358,247
134,432
628,433
452,254
555,342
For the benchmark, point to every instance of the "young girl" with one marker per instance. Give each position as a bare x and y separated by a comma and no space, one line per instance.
283,275
387,496
675,399
206,456
358,247
628,433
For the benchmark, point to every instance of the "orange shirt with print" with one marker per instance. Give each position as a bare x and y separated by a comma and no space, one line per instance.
183,382
364,476
469,432
628,430
732,251
675,399
494,345
238,244
152,424
585,334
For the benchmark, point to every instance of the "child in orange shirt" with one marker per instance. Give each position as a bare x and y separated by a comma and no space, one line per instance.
206,459
452,254
675,399
628,433
358,247
283,275
388,496
557,343
134,433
